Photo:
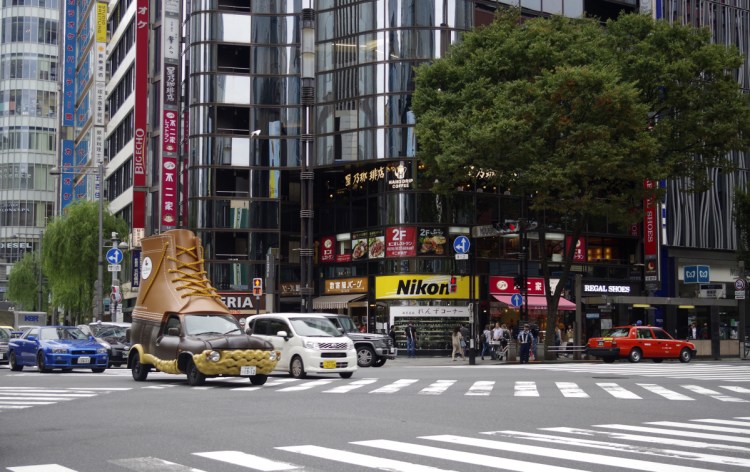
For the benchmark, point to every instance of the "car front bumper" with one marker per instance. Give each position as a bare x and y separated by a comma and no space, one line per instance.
82,361
330,362
388,353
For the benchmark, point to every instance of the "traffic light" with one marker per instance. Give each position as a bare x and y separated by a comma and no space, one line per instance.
452,285
518,281
257,286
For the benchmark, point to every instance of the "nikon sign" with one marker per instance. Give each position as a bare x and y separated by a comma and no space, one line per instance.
423,287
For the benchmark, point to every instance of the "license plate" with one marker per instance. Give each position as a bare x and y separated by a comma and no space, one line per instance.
600,343
247,370
393,351
329,364
2,355
84,360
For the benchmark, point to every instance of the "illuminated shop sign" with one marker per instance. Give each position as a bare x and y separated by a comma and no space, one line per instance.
343,286
397,175
606,288
423,286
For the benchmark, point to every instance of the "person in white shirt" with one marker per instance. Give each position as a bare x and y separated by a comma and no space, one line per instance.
487,339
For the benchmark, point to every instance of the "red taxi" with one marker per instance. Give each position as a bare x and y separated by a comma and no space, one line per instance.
638,342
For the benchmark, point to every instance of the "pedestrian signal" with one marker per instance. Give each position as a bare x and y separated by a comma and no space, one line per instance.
257,286
452,285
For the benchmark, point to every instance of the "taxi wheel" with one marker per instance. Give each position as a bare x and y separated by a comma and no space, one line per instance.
379,362
635,355
346,375
14,365
365,356
297,368
685,355
40,363
140,371
194,376
259,379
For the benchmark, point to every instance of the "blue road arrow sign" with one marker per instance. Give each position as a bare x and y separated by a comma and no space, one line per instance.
114,256
461,245
516,300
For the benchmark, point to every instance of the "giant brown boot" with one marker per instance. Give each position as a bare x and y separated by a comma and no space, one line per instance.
173,278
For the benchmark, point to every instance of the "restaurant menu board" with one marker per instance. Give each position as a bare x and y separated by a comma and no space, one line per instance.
368,245
401,241
431,241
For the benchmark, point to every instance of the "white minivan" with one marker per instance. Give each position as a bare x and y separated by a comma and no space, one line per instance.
309,343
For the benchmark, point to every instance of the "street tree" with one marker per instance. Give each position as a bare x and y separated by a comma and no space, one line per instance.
24,283
576,116
70,257
742,219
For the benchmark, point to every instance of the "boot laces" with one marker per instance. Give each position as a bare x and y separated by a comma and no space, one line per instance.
192,274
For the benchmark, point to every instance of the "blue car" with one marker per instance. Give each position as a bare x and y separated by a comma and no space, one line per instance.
57,347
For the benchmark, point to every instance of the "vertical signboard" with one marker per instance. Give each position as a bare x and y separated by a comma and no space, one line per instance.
69,65
170,46
140,114
66,182
651,220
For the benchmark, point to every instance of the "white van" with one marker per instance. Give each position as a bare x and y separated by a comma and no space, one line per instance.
309,343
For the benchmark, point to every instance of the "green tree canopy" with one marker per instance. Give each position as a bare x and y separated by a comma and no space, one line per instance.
23,283
576,115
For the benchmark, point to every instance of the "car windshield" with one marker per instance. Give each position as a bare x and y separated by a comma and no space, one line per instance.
346,323
321,327
110,332
211,324
51,334
4,335
619,333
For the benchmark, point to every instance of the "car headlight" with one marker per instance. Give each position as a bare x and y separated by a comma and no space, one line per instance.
310,344
105,344
60,350
213,356
272,356
101,350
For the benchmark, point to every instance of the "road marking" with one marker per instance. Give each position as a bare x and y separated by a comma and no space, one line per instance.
481,388
149,464
525,389
618,392
363,460
672,432
306,386
437,387
725,422
571,390
395,386
702,427
664,392
713,394
352,386
248,460
732,388
41,468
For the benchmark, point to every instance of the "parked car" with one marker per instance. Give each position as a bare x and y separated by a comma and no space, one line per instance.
372,349
56,347
309,343
638,342
114,336
4,339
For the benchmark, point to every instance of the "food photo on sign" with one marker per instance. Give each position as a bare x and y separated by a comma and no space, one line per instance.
431,241
377,247
359,246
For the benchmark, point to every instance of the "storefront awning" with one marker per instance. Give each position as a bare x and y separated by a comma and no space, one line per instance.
537,302
333,302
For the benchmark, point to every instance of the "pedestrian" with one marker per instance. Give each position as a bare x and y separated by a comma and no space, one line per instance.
525,339
487,333
457,343
570,337
693,331
392,334
535,339
411,340
558,340
704,332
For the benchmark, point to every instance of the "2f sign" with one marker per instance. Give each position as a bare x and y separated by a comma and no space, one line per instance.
398,234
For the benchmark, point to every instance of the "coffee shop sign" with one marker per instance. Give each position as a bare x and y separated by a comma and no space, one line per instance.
594,288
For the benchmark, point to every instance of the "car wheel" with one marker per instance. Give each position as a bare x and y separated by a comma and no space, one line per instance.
379,362
346,375
40,363
685,355
365,356
14,365
98,370
657,361
140,371
608,360
297,368
635,355
194,376
259,379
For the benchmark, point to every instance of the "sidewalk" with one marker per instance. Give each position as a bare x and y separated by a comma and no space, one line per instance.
446,361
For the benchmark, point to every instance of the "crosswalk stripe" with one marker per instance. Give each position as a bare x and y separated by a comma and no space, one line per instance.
14,407
481,388
148,464
363,460
352,386
618,392
306,386
21,401
671,432
713,393
578,456
490,462
62,396
41,468
724,422
395,386
437,387
736,389
248,460
525,389
702,427
571,390
619,447
664,392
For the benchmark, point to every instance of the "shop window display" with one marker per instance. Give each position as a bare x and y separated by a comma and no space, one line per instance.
433,332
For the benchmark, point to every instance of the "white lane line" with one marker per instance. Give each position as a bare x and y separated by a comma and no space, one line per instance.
481,388
664,392
395,386
559,454
525,389
571,390
713,394
149,464
487,461
41,468
437,387
248,460
306,385
702,427
618,392
672,432
352,386
626,448
363,460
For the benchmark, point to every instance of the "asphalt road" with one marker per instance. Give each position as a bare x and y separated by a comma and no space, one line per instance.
409,415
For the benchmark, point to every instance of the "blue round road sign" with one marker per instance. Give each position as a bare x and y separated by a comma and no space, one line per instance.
461,245
114,256
516,300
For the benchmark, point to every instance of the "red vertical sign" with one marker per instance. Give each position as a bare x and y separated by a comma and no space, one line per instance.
328,249
650,235
579,253
140,114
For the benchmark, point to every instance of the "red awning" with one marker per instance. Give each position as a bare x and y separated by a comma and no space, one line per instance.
537,302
